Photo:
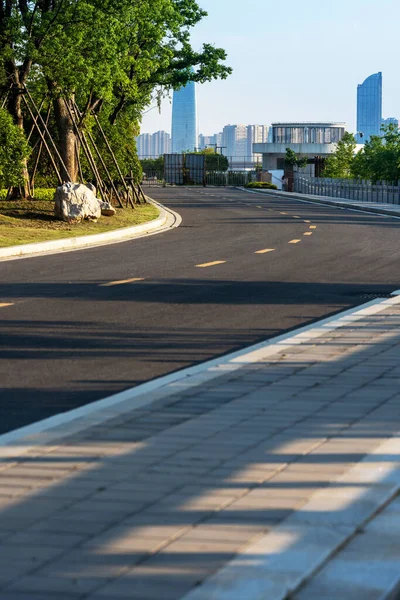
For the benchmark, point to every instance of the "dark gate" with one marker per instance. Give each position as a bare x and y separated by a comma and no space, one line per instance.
184,169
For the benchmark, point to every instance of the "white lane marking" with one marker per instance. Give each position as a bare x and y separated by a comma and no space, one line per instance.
121,281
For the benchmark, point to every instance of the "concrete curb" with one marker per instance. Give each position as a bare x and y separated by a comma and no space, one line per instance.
340,202
167,220
20,441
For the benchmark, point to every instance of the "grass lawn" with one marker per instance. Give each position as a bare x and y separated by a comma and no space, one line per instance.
25,222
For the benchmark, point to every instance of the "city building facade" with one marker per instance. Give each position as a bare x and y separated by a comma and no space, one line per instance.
369,108
184,119
390,121
153,145
256,134
305,139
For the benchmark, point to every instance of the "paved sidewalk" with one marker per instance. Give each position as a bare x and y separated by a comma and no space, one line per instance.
238,482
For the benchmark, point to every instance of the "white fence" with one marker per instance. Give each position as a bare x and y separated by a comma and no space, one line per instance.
350,189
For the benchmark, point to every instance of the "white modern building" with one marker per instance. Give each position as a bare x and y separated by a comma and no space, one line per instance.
306,139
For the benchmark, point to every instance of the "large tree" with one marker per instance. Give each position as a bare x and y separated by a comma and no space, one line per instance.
339,164
112,56
379,160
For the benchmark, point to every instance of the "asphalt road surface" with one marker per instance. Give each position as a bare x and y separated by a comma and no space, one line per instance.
241,268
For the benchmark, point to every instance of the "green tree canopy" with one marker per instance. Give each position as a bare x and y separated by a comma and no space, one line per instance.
339,164
379,160
114,56
292,160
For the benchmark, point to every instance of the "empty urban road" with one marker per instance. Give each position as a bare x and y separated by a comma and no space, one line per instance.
241,268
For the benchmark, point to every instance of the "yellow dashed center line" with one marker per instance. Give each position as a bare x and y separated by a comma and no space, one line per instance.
121,281
308,233
264,251
211,264
294,241
4,304
313,227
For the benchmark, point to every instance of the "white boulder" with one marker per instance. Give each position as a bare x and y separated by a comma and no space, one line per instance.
75,202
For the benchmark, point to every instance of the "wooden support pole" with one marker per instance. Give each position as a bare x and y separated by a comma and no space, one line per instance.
32,184
45,129
60,181
114,160
86,149
100,158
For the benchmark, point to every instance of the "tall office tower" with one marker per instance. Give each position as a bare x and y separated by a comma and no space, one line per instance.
160,143
143,144
390,121
234,138
256,134
369,108
184,119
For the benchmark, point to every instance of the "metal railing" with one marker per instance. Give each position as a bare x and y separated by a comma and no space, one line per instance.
349,189
213,178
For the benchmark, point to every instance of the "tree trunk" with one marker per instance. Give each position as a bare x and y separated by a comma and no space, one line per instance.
67,141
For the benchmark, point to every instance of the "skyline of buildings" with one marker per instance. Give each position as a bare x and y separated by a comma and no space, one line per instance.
236,140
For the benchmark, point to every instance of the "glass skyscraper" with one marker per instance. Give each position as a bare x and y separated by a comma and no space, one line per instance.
369,108
184,119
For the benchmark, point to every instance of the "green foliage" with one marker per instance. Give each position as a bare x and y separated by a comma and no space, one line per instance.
153,165
214,161
339,164
379,160
13,150
44,194
292,160
115,56
263,185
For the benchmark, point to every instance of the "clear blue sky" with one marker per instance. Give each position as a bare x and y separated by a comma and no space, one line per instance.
294,60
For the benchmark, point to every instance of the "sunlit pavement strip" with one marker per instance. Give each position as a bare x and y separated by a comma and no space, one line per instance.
122,281
212,264
4,304
182,473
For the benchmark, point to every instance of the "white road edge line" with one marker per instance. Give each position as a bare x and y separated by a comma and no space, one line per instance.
21,440
321,203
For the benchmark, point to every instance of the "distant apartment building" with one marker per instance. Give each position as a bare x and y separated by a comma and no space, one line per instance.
153,145
143,144
256,134
390,121
211,141
369,108
234,140
160,143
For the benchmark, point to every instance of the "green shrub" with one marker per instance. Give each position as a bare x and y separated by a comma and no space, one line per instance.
265,185
44,194
13,150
